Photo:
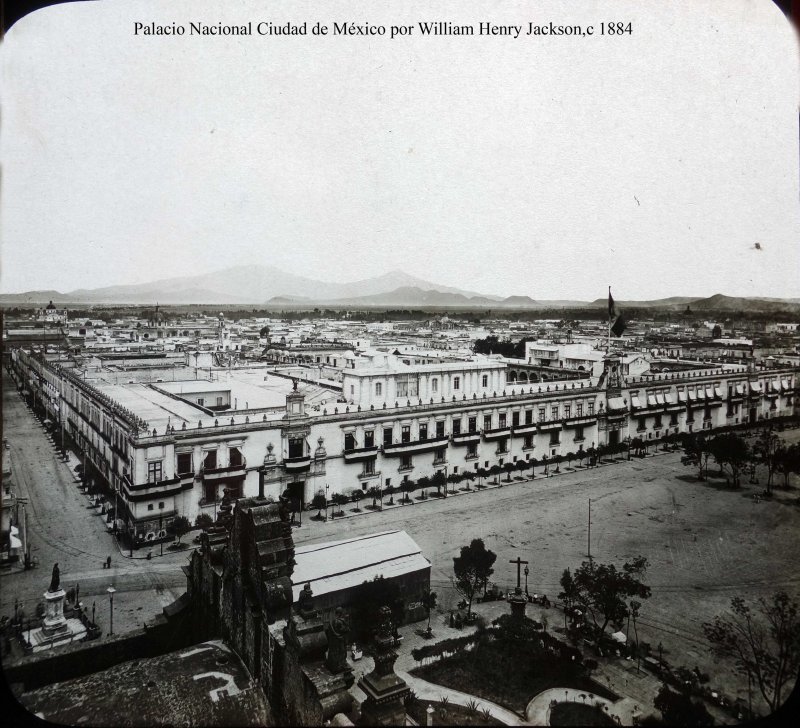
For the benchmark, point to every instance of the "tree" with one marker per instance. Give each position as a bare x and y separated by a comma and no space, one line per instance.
769,450
789,462
695,452
509,468
454,479
764,643
439,479
424,483
319,502
495,470
732,452
482,473
602,590
469,476
339,499
570,456
204,521
356,496
472,569
374,492
408,487
178,527
679,709
429,602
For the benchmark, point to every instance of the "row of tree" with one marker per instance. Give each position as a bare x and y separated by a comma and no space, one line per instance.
734,455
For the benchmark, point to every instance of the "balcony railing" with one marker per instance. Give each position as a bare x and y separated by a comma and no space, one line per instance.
466,438
297,464
403,448
496,433
226,471
358,454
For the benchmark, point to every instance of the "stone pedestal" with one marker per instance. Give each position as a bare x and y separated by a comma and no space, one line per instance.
54,621
518,602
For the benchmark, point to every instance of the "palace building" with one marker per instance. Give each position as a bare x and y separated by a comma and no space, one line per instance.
166,447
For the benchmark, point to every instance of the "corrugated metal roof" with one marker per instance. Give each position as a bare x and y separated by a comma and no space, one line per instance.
338,565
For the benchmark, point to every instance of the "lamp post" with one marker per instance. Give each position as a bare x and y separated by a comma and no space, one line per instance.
110,591
327,488
527,571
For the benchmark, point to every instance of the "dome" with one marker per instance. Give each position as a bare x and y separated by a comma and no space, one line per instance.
51,306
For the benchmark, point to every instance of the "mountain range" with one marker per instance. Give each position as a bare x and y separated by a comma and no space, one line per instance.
270,286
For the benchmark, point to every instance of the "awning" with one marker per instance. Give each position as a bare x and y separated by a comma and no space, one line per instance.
660,399
617,403
15,542
718,392
774,387
681,396
785,385
755,387
709,393
668,398
651,400
635,403
740,389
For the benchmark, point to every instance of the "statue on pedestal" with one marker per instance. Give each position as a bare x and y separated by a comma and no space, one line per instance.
305,602
338,631
55,579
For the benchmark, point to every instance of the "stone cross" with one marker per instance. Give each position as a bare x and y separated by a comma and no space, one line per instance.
519,562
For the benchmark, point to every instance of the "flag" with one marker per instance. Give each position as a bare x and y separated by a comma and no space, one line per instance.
619,326
611,312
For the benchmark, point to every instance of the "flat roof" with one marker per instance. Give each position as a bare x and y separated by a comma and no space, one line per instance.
206,684
339,565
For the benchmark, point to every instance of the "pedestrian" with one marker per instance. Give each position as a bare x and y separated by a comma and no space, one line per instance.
108,563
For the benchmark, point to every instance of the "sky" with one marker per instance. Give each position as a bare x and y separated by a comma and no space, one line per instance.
661,162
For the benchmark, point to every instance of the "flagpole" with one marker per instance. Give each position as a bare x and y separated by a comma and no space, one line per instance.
608,344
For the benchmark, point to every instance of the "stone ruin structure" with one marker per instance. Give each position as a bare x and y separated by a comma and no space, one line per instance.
240,589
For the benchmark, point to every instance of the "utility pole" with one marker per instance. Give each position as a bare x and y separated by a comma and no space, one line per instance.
589,534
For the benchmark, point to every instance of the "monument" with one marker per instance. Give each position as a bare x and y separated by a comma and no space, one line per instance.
338,630
56,629
385,690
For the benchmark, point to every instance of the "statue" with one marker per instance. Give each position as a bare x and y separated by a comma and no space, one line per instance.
305,602
338,631
294,384
54,581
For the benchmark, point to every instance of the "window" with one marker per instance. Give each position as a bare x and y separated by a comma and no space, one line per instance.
502,419
579,409
472,424
149,506
184,463
434,385
502,445
456,382
658,422
472,450
405,462
405,433
456,427
387,435
161,505
201,401
567,411
528,442
369,439
554,438
515,419
673,418
642,423
154,472
591,408
529,417
554,412
388,483
235,457
407,386
423,432
352,390
296,447
439,455
378,389
541,414
369,467
440,429
485,380
219,401
487,422
210,460
579,433
349,441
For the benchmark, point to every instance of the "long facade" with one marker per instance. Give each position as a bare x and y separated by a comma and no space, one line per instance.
182,468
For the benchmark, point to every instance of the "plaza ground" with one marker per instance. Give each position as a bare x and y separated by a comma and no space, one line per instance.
705,543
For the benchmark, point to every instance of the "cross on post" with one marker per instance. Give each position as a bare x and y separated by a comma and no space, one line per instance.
519,562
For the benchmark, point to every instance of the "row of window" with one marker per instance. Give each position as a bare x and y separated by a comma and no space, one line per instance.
184,463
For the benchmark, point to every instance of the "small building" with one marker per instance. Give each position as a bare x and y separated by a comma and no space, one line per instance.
337,568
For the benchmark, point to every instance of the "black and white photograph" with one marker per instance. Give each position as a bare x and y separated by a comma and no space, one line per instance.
411,363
